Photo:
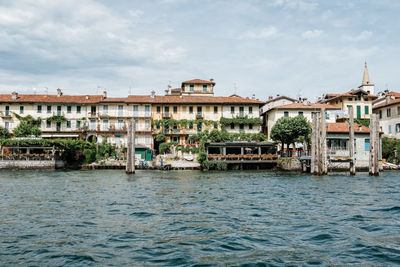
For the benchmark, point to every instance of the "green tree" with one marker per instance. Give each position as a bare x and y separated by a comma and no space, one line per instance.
301,129
282,131
4,133
25,129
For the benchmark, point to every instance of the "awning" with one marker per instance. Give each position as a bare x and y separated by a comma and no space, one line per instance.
60,135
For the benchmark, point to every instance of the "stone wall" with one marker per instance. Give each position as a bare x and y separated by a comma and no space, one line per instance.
27,164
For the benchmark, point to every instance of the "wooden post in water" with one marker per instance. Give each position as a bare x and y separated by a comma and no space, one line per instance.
130,160
324,155
315,145
351,142
374,146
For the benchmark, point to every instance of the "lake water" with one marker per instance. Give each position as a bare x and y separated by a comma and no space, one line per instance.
181,218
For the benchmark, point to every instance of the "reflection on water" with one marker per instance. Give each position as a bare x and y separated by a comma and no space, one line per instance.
108,218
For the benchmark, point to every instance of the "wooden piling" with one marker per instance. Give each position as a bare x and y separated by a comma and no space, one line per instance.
130,160
374,146
351,142
315,144
324,152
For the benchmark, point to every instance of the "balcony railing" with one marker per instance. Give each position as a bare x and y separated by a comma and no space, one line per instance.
167,115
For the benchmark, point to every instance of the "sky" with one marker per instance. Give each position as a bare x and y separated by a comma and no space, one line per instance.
298,48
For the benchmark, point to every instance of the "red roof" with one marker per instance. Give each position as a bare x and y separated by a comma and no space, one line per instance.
343,127
114,100
391,102
198,81
175,99
351,93
298,105
27,98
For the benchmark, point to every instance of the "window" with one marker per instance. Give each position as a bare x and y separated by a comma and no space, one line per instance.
48,124
199,126
68,124
69,109
191,125
120,110
250,110
120,124
390,129
241,126
366,144
232,110
21,109
105,109
215,125
175,109
147,124
192,87
250,126
358,97
397,127
7,111
184,108
301,113
158,109
7,125
39,109
48,109
366,110
59,110
135,110
166,110
191,110
286,113
78,124
350,99
388,112
78,109
215,110
158,125
204,88
241,111
147,110
380,114
92,124
232,126
105,125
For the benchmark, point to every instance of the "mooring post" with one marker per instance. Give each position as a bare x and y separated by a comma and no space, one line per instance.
313,141
315,145
130,160
374,146
351,142
324,156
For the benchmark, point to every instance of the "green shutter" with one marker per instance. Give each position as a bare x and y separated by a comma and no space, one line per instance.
366,110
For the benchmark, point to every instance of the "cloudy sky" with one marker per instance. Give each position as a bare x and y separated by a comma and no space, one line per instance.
267,47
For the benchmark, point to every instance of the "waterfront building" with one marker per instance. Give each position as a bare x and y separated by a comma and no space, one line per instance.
303,108
389,117
361,99
338,145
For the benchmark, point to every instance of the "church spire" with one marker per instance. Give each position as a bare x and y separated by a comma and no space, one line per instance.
366,80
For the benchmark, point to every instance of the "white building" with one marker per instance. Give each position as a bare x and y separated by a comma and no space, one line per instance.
389,117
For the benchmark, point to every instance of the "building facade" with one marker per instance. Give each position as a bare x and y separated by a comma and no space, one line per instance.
389,117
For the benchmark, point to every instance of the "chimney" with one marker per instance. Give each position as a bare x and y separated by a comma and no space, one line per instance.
270,97
169,89
59,92
105,94
153,94
211,80
277,95
14,95
387,99
305,102
253,96
87,97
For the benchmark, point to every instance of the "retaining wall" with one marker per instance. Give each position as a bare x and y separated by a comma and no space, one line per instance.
27,164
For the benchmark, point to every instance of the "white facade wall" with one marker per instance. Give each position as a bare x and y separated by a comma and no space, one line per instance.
249,111
389,125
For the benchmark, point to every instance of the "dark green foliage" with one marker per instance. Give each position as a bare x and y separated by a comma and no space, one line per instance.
89,155
28,126
169,123
4,133
57,118
160,137
165,148
239,120
364,122
389,146
288,130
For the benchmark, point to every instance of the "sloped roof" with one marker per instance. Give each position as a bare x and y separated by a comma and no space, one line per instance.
350,93
29,98
343,127
298,105
198,81
391,102
279,98
174,99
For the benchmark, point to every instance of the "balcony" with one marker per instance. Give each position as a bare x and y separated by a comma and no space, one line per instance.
92,114
5,115
167,115
175,131
199,115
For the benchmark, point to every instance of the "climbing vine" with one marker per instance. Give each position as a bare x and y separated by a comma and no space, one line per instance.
57,118
184,124
239,120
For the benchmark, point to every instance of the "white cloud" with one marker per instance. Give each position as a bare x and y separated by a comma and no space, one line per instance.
296,4
364,35
260,33
311,34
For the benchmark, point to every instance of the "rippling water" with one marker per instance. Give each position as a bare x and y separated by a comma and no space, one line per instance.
106,218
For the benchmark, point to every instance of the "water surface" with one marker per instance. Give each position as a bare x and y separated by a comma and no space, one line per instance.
181,218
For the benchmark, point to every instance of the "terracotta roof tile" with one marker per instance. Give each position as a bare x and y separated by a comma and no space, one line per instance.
114,100
28,98
174,99
305,106
391,102
350,93
197,81
343,127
